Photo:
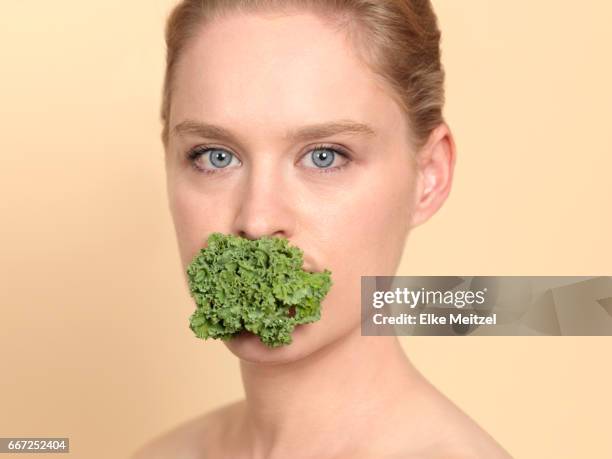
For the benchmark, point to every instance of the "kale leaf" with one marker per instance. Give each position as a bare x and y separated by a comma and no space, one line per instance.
256,285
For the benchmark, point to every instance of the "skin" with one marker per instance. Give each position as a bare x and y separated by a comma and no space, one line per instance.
332,393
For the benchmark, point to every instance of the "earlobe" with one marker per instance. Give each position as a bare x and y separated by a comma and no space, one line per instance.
435,164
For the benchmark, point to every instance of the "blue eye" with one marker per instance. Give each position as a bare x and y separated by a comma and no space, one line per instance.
218,157
323,156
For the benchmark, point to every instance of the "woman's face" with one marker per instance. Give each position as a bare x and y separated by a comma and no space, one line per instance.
277,89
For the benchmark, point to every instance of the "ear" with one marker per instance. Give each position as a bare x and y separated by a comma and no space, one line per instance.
435,165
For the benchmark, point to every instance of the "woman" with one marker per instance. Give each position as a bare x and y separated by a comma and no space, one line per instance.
320,122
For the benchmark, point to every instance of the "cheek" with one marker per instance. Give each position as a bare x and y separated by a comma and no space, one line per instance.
370,227
193,219
370,233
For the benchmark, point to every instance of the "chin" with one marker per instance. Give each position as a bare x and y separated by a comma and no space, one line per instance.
306,340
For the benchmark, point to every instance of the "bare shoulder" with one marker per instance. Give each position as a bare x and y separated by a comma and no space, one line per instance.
462,437
424,455
444,431
191,439
437,454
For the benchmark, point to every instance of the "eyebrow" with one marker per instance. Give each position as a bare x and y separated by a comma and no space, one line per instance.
302,134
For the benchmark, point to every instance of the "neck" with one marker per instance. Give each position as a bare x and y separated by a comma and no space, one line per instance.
333,395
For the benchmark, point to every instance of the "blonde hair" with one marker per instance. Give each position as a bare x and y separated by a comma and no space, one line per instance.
399,40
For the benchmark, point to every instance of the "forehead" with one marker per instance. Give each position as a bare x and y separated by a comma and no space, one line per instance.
268,72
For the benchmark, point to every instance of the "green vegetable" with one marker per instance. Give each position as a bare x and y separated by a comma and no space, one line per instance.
255,285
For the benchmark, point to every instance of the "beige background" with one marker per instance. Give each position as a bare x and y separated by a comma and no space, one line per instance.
94,342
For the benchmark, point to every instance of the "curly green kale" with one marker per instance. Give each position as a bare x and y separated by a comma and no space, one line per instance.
256,285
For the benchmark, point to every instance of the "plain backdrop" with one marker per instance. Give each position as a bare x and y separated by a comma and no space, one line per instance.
94,340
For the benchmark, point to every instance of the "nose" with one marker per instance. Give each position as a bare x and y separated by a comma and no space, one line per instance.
264,205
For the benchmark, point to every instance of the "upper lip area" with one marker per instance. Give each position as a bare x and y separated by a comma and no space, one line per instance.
308,266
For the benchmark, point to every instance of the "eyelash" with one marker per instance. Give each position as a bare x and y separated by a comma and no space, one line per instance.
198,151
